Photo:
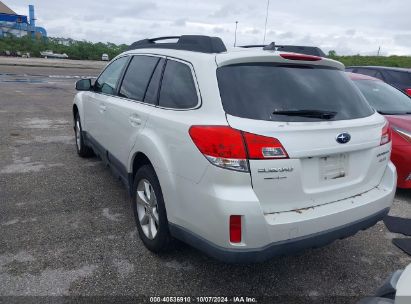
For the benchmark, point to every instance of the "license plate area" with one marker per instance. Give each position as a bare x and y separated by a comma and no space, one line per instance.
333,167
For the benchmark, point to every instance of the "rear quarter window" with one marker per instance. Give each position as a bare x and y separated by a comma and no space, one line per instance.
178,89
256,90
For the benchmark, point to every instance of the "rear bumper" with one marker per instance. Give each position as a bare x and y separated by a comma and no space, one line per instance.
268,235
287,247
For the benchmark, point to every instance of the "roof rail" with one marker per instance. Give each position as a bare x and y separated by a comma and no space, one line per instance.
250,46
194,43
307,50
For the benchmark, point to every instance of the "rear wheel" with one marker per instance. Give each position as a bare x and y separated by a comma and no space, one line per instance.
149,210
82,149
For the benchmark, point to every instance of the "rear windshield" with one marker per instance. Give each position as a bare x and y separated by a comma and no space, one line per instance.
256,90
384,98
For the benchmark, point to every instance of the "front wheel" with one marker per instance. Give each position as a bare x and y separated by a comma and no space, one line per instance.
149,210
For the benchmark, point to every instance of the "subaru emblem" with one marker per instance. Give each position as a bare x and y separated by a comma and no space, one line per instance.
343,138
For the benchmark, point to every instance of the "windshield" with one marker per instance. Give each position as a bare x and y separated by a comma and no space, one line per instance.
384,98
266,91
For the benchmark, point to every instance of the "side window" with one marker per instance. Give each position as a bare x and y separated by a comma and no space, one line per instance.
398,77
154,86
137,77
177,88
108,80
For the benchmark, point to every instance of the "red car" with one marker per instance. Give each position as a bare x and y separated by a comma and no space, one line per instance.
396,107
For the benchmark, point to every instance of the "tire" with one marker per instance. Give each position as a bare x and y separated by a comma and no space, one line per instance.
149,210
82,149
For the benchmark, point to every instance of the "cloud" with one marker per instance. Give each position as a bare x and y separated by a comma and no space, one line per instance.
344,26
225,11
350,32
221,30
403,40
180,22
253,31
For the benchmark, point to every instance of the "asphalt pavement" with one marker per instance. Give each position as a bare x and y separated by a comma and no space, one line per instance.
67,228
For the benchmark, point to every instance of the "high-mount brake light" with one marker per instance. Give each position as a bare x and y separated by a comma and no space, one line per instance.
301,57
229,148
385,134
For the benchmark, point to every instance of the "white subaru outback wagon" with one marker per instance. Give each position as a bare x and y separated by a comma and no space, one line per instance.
244,154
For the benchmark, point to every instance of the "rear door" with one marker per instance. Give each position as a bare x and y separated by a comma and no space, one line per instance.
95,105
285,101
170,122
128,112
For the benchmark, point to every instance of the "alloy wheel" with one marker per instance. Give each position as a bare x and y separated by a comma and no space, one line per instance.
147,209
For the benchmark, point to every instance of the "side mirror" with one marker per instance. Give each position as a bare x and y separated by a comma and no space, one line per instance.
83,85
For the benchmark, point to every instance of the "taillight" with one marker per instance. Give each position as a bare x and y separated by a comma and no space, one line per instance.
301,57
229,148
408,91
262,147
221,145
235,228
385,134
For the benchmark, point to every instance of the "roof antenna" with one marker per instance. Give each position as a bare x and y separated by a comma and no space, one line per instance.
266,19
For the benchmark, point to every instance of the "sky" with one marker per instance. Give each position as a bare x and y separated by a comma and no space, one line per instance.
346,26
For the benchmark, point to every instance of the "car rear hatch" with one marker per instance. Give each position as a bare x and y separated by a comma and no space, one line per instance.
330,136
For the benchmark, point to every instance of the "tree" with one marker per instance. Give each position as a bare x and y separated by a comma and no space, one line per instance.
332,53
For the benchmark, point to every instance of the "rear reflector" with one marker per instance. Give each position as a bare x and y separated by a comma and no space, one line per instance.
408,91
385,134
229,148
235,228
301,57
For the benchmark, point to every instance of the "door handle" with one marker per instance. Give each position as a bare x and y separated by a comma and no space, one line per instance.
135,120
103,108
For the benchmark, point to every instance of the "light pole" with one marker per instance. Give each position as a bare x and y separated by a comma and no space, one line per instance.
266,19
235,33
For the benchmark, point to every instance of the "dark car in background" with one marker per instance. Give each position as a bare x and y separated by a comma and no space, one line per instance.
399,78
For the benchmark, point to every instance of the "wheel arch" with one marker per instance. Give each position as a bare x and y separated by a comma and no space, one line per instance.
77,108
139,160
148,154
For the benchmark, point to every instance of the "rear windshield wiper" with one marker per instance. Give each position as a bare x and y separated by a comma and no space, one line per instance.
307,113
